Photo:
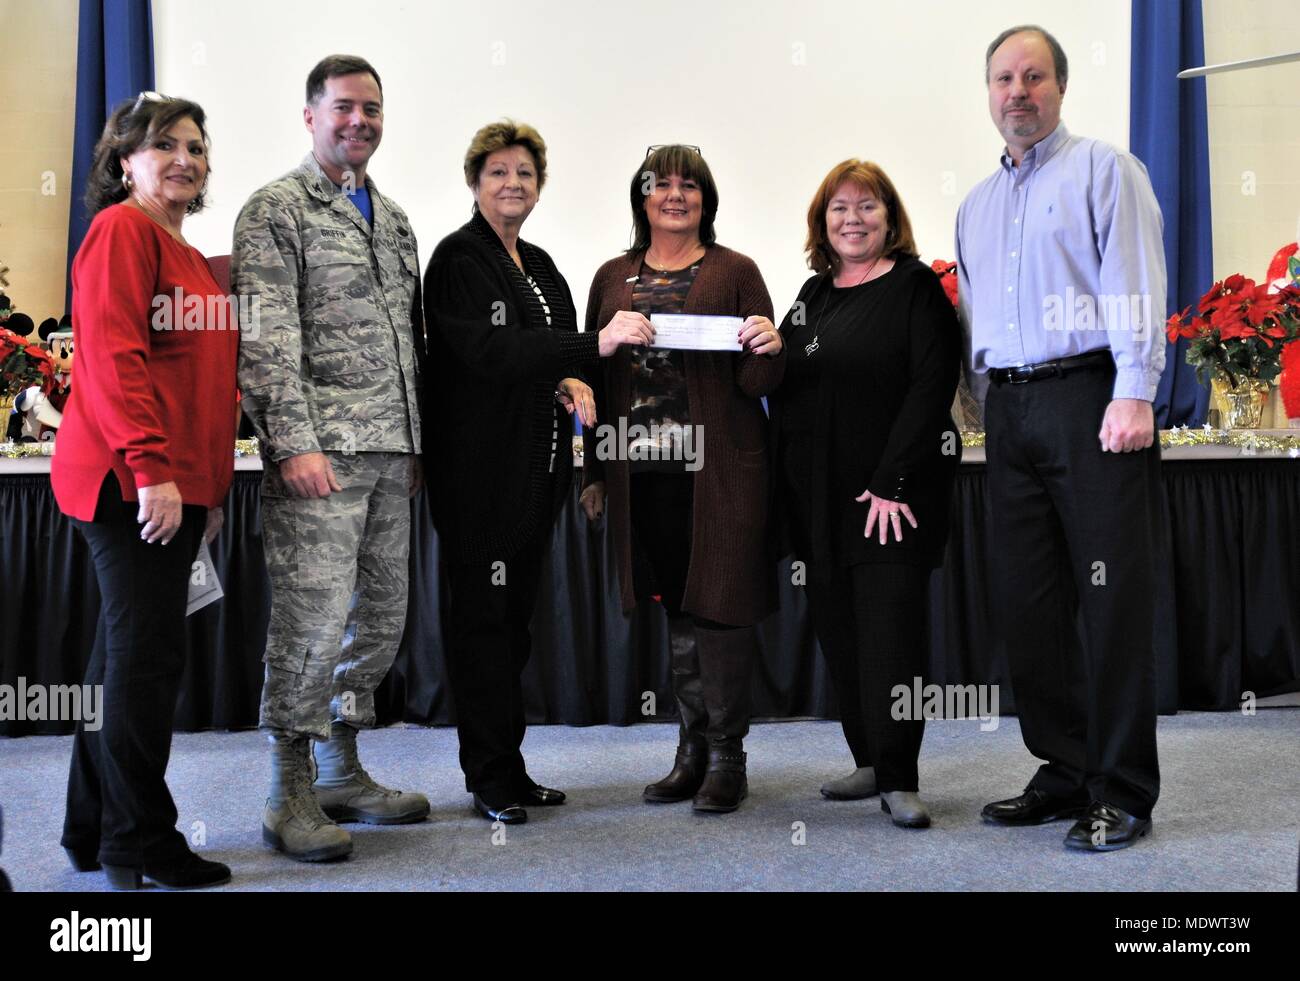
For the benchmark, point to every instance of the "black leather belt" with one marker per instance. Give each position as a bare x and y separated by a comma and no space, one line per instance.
1049,369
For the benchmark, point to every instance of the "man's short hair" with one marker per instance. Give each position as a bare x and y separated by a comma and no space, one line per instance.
1059,61
334,66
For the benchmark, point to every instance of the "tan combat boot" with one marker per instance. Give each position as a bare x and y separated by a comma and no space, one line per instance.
346,792
293,822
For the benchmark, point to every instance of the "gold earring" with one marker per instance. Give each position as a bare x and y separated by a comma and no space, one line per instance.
127,182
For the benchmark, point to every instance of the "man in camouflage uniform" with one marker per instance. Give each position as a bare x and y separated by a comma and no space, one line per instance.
330,380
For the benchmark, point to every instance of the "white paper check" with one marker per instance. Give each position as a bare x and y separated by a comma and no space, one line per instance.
205,587
688,332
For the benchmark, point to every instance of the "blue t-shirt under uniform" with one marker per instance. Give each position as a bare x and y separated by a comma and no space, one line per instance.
361,198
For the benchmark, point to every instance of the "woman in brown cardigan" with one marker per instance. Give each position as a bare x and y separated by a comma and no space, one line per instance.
691,486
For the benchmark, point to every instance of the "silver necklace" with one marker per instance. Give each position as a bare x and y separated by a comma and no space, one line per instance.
810,348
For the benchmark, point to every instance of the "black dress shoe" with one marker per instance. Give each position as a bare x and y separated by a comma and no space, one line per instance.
543,796
1032,807
83,860
188,872
1105,828
507,814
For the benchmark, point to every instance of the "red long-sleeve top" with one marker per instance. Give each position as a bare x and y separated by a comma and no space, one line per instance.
153,389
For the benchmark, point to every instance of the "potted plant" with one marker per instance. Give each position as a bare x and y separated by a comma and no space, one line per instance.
1237,336
22,364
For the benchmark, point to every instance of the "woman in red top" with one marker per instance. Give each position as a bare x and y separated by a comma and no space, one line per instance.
144,459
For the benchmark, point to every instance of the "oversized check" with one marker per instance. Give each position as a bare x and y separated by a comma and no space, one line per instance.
688,332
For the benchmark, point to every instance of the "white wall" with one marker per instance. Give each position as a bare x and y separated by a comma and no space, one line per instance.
1254,143
38,76
899,83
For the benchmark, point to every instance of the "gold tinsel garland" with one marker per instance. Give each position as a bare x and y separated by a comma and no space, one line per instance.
1249,441
20,451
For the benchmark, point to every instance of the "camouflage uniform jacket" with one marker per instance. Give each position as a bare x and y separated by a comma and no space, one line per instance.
336,358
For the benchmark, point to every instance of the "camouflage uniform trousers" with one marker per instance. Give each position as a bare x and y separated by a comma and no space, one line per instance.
318,551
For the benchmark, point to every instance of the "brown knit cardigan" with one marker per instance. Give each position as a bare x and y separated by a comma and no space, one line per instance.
730,578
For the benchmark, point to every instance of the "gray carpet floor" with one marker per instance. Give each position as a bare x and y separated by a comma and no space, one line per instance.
1228,817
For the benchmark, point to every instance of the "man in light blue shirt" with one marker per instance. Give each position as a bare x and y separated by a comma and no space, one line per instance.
1062,291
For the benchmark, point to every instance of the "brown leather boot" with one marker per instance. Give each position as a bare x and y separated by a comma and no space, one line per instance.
688,771
726,671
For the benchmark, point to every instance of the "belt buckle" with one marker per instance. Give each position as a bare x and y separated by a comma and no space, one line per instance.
1022,375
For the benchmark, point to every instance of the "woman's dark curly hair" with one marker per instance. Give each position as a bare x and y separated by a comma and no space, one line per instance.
135,124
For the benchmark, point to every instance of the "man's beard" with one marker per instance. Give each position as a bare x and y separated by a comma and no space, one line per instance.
1024,125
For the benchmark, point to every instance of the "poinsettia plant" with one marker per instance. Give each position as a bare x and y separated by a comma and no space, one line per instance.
947,272
1239,330
23,364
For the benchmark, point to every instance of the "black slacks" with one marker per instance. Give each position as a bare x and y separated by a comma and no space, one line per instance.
662,512
1073,534
118,801
870,623
488,641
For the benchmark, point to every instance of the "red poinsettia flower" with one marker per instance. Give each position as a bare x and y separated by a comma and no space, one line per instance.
1228,315
1236,283
23,364
1212,300
1261,304
1176,328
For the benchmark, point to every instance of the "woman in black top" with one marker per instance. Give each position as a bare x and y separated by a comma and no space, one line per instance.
505,352
866,454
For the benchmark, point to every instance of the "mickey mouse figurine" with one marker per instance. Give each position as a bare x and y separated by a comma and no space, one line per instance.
61,350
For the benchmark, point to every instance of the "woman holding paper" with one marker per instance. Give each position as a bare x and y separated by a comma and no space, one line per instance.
506,352
866,456
686,473
145,457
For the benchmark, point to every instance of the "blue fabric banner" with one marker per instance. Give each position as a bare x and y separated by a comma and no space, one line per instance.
114,62
1168,132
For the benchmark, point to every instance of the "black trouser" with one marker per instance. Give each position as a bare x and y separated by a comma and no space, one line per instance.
118,799
663,516
488,642
870,623
1073,531
712,663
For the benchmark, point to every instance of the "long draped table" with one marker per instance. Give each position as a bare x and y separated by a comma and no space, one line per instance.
1228,609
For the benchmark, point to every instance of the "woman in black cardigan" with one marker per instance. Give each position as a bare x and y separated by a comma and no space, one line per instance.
505,353
867,454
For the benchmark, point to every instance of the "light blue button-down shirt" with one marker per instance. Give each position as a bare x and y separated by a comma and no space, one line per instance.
1060,256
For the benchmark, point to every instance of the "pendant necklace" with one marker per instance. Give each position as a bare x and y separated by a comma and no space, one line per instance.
810,348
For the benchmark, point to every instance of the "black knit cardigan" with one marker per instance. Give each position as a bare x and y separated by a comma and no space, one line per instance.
493,367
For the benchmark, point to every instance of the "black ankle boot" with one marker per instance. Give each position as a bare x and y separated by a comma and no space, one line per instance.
684,780
725,784
187,872
82,859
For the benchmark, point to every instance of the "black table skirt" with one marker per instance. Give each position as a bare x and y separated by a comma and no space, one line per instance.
1229,612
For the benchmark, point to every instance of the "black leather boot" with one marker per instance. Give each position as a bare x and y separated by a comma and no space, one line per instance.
726,670
725,784
688,771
